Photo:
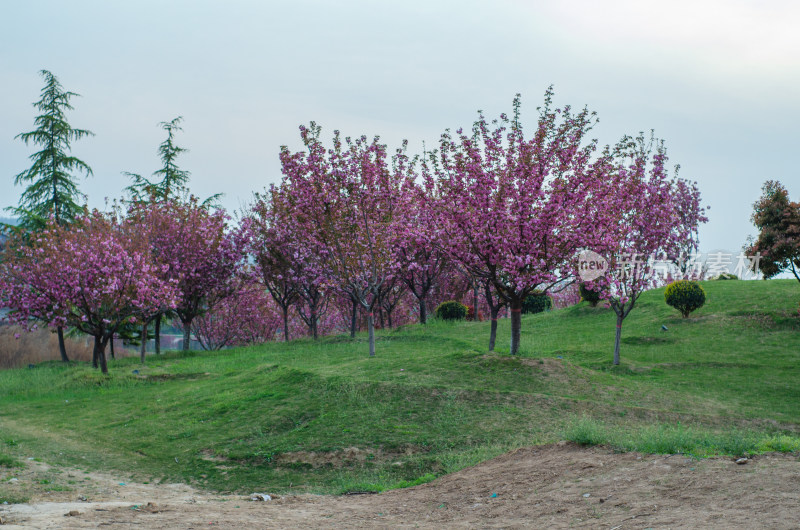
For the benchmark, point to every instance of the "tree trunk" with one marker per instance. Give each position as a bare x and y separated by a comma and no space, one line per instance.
285,310
516,324
99,353
423,311
187,329
112,347
616,340
314,323
94,354
495,310
353,315
389,318
143,347
158,335
371,327
62,348
475,301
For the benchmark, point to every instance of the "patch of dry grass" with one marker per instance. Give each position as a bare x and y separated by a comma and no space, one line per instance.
37,346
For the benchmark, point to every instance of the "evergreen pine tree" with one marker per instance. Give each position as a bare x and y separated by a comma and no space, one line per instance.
172,178
52,190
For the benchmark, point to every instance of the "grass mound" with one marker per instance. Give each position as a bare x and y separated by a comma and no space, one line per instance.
323,417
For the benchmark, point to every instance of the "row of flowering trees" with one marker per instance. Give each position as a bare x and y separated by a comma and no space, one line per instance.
112,270
354,231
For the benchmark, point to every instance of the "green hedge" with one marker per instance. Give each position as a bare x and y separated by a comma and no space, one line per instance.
536,302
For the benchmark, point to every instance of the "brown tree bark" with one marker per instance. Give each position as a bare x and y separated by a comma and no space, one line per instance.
143,346
62,348
516,324
187,329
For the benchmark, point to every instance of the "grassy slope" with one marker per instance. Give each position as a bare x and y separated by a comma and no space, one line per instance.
277,417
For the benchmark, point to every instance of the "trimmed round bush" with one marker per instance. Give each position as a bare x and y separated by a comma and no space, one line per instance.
587,295
451,310
536,302
725,276
685,296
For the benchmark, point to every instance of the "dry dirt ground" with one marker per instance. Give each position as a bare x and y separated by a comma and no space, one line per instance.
555,486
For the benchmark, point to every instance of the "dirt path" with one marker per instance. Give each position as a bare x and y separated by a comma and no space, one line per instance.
556,486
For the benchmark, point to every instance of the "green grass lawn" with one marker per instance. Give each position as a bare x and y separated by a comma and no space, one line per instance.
323,417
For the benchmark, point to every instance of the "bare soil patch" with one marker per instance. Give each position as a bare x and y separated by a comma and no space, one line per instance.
555,486
343,457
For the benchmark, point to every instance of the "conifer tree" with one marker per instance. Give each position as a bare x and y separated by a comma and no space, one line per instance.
172,178
52,189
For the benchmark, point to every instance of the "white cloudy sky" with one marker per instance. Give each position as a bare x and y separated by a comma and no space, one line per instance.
718,80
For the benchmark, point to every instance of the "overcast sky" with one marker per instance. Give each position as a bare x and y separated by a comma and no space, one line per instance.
718,80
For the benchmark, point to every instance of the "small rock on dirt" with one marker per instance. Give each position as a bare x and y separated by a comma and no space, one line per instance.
72,513
742,461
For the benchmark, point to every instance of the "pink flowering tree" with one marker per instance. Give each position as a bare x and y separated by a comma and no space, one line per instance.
264,239
657,219
287,262
419,262
691,213
390,297
196,248
514,210
346,198
95,276
246,315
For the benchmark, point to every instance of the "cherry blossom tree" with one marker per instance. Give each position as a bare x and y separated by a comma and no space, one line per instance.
514,210
391,295
347,200
262,238
657,219
199,253
246,315
691,213
96,276
419,262
287,262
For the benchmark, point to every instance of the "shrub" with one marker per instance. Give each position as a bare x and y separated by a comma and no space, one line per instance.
471,313
536,302
685,296
451,310
725,276
587,295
